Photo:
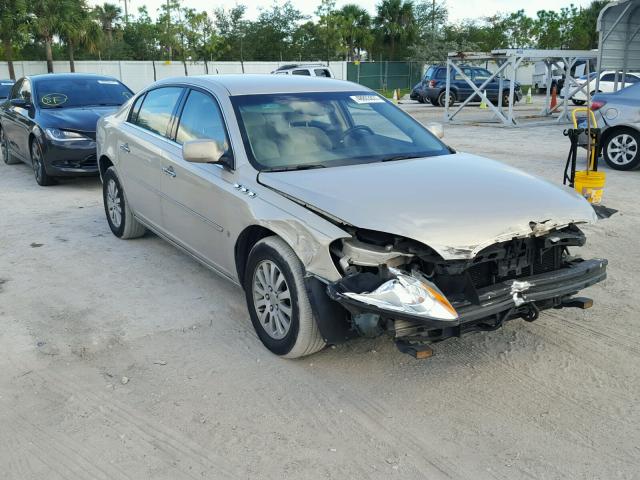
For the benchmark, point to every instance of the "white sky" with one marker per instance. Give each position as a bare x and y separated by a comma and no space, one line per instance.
458,9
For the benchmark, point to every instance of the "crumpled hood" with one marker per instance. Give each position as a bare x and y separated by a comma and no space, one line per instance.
456,204
82,119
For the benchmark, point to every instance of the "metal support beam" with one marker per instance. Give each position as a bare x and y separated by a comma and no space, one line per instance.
478,90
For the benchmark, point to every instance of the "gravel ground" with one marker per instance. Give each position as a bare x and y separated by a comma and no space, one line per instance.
129,360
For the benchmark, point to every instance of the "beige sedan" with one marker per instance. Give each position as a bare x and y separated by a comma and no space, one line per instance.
337,213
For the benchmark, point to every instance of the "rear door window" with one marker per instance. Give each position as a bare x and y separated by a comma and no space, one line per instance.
608,77
430,72
301,72
157,109
441,74
322,72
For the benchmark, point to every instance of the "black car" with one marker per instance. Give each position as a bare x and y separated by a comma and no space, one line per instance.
5,89
434,84
49,121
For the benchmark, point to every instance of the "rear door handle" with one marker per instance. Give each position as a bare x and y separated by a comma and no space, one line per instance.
169,171
125,147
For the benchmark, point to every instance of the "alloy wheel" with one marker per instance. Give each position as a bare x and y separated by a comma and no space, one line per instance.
272,299
4,147
622,149
36,161
114,206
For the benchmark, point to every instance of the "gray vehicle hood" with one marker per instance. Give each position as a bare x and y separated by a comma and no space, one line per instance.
456,204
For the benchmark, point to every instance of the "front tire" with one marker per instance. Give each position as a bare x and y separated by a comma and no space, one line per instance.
278,302
119,216
4,149
37,162
621,150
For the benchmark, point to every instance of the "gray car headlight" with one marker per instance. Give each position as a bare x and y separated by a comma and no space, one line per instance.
64,135
410,295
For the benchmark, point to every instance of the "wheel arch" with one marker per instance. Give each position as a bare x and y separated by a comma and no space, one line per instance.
244,243
616,129
104,162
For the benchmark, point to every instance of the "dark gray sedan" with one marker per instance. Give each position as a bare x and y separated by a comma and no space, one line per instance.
618,115
49,122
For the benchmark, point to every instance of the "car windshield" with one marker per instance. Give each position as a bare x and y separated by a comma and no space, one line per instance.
311,130
67,92
5,89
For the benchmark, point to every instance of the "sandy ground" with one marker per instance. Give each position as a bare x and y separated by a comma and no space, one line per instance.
128,360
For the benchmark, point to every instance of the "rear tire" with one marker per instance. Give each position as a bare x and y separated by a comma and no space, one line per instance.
421,99
37,162
278,302
622,149
4,149
443,96
119,216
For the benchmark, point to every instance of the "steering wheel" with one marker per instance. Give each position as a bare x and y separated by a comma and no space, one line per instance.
360,130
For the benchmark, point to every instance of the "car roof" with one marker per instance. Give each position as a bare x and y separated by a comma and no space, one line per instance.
49,76
252,84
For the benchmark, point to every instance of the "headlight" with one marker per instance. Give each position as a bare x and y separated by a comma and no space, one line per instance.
64,135
410,295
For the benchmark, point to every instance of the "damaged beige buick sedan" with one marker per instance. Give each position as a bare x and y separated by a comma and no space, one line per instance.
339,214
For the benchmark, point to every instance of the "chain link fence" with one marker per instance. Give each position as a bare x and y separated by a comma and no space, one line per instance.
385,75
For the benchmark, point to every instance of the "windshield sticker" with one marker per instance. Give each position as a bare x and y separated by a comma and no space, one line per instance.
366,99
52,99
107,82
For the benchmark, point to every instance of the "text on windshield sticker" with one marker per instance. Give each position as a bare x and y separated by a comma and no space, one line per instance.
54,99
366,99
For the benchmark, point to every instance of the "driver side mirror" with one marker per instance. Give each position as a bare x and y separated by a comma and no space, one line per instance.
436,128
206,151
20,103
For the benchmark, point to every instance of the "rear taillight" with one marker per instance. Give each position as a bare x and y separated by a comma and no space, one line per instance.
597,104
432,84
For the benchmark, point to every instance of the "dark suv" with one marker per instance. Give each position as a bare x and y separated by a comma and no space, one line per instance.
433,86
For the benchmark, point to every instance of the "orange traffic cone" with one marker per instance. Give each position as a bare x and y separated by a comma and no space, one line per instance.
554,98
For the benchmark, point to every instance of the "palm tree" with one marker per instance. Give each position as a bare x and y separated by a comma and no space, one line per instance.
45,20
79,28
395,22
108,14
12,20
355,25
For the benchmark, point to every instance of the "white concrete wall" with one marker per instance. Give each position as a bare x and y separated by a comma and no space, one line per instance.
138,74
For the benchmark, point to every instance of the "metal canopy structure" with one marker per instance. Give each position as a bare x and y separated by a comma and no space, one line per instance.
619,39
508,62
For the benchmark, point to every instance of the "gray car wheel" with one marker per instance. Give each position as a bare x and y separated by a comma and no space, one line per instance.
119,216
278,302
621,150
37,162
4,149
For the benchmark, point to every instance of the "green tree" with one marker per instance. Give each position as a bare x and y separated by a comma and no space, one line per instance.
45,20
231,28
142,36
396,26
78,28
328,30
13,15
355,29
109,16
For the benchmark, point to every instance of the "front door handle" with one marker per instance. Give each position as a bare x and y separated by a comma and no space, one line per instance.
125,147
169,171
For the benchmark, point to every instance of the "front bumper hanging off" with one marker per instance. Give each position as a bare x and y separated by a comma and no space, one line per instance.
522,297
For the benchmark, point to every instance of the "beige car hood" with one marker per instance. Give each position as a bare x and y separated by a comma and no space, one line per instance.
456,204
